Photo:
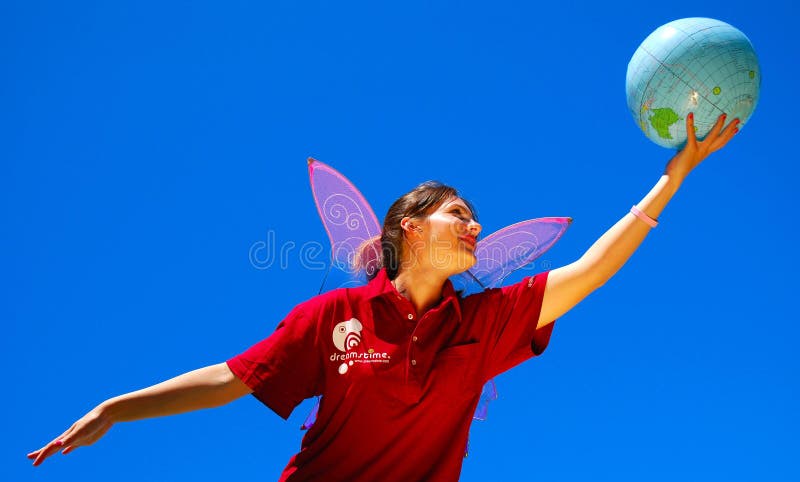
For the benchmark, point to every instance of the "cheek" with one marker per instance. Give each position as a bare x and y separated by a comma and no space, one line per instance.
446,232
445,226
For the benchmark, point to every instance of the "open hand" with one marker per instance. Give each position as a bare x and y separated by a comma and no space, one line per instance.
695,151
85,431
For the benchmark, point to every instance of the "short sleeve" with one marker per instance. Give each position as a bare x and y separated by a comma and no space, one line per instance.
283,369
514,336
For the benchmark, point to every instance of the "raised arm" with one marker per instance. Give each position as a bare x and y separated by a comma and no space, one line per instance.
207,387
568,285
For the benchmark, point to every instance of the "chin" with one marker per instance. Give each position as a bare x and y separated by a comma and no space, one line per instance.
465,264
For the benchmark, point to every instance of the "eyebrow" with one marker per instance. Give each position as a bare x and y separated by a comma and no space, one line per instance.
461,208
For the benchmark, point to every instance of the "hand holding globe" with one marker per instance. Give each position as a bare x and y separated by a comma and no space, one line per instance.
695,151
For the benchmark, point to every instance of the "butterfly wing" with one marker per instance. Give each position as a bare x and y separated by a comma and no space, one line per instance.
509,249
312,416
351,224
488,394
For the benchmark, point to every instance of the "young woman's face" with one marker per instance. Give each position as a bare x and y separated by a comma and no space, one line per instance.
447,237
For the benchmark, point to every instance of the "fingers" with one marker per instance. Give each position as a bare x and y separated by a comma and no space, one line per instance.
40,455
54,446
694,152
726,135
714,133
716,138
691,137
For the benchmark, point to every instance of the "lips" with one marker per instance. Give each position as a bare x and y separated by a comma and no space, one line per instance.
469,241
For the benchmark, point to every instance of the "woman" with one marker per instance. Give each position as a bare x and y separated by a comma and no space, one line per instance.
400,362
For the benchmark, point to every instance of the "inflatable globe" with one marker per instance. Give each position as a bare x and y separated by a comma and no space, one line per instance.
695,65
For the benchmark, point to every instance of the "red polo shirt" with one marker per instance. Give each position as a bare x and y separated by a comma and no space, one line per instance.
398,392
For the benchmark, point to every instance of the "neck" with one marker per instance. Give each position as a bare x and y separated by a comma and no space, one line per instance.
422,288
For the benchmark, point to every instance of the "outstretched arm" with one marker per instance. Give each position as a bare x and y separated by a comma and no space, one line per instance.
203,388
568,285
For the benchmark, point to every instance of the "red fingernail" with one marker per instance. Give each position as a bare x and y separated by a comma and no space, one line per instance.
59,443
691,115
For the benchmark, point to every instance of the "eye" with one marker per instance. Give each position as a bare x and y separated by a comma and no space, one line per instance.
460,215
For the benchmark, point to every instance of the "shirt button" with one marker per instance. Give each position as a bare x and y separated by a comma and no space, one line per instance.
410,316
414,339
414,362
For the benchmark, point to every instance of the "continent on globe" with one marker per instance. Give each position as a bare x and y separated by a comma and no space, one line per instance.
662,119
698,65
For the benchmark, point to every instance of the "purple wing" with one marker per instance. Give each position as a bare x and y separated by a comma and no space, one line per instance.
488,394
351,225
505,251
312,416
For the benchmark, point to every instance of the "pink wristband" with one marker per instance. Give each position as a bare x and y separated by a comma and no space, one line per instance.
644,217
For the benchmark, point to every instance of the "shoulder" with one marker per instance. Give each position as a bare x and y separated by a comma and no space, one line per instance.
490,296
320,301
330,302
343,295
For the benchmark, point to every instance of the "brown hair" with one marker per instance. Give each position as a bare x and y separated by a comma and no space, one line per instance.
419,202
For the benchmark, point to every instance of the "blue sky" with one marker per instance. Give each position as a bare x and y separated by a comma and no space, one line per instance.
148,146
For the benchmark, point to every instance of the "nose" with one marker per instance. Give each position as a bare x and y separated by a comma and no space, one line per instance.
474,227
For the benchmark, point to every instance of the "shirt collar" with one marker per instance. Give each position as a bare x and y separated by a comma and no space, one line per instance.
381,285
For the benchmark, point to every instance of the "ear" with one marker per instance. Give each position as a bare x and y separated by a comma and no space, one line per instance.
409,226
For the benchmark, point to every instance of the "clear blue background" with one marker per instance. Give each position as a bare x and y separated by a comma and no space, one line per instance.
148,146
